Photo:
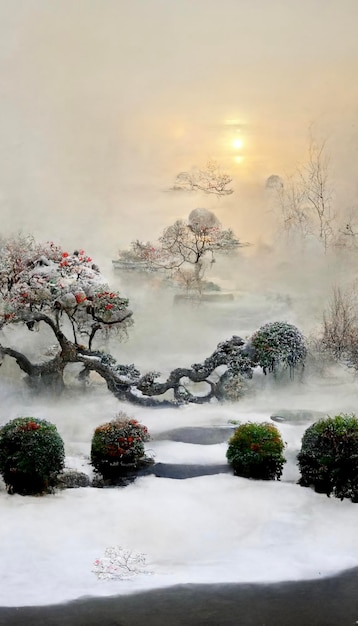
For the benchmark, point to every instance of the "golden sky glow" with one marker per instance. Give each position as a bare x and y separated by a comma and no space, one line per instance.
237,143
144,90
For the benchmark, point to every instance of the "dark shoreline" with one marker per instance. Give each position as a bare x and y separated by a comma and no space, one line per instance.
331,601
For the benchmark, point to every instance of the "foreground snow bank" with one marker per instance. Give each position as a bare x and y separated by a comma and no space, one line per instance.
208,529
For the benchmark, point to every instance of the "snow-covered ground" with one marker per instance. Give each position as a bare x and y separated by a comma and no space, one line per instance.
207,529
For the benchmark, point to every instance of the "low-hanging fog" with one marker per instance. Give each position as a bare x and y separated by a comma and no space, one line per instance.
102,104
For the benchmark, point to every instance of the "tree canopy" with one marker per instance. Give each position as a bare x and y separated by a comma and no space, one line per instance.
45,283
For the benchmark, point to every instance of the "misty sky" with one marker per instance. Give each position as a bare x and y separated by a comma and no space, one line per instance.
102,102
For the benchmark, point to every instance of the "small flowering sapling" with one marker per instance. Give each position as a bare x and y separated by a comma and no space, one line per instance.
120,564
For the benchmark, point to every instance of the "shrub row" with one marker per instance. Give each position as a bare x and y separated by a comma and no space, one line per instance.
32,452
328,459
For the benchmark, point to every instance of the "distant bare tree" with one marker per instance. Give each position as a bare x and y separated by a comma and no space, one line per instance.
340,326
318,195
211,179
295,220
305,198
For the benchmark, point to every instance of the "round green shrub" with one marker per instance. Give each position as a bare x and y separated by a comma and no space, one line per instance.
31,455
118,447
328,459
255,451
278,343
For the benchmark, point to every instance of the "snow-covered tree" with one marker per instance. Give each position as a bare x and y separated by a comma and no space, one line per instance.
42,283
187,248
210,179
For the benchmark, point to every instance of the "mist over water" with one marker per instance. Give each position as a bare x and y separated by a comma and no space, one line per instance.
101,105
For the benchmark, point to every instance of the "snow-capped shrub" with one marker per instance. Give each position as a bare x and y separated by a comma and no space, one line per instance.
31,455
255,451
278,343
118,446
328,459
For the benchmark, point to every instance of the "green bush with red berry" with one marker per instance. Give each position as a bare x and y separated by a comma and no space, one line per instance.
255,451
118,447
31,455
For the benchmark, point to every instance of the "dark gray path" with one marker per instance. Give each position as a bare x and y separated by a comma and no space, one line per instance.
327,602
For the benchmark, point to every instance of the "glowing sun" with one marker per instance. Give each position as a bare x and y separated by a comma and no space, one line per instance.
237,143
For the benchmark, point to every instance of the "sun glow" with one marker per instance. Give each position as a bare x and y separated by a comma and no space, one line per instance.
237,143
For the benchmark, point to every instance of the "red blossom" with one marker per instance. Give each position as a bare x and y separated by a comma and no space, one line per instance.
80,298
112,450
65,254
108,307
30,426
